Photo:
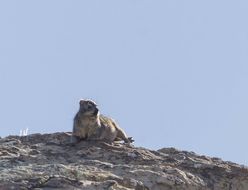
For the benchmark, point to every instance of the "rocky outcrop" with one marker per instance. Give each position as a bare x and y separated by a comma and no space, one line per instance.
49,161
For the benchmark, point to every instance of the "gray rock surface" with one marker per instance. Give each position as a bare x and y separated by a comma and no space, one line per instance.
49,161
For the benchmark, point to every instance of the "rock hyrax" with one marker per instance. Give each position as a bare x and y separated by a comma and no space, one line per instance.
89,124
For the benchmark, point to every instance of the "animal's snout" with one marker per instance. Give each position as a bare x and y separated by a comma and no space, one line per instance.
96,111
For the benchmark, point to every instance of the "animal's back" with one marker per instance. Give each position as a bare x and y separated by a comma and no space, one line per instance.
112,130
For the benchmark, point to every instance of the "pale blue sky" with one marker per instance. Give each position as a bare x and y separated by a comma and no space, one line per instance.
172,73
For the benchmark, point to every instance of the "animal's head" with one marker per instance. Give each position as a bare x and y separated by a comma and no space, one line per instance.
88,108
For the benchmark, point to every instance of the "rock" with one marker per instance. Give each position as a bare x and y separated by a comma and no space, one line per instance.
49,161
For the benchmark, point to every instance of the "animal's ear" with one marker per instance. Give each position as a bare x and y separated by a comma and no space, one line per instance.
81,102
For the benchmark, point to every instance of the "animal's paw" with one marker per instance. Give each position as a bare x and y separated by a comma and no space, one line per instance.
131,140
74,139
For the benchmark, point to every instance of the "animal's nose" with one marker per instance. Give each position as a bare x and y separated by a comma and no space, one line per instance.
96,111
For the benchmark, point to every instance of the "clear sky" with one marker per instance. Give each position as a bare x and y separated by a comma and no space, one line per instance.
172,73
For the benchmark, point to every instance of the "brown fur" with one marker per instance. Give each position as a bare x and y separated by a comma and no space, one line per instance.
89,124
